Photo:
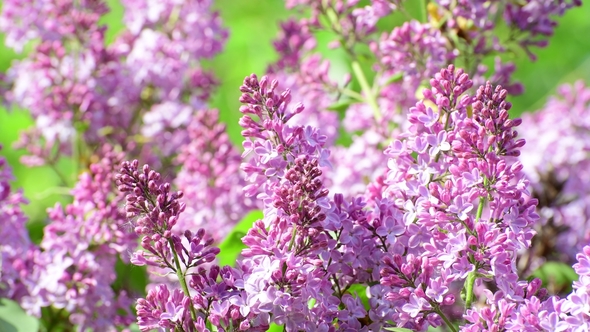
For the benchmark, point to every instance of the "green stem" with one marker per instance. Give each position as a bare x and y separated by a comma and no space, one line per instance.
182,280
292,238
60,175
366,88
469,283
423,12
444,318
482,202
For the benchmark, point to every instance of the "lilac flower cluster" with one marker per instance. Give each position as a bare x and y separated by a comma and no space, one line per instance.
559,175
531,21
534,311
145,85
203,299
74,266
17,250
430,217
403,60
453,212
80,247
210,178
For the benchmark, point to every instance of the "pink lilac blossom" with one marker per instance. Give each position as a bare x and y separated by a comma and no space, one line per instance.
557,164
80,247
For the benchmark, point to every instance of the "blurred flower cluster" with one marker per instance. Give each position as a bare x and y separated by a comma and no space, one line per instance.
398,194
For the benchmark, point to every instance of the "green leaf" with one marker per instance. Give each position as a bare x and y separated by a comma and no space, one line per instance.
275,328
232,246
341,105
557,274
361,292
14,319
130,277
397,329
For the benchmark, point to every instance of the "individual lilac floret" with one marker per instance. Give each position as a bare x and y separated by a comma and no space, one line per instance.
556,161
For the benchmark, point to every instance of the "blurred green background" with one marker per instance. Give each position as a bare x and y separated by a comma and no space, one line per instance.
253,24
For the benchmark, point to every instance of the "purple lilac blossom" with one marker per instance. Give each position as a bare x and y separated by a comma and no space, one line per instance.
80,247
534,311
440,172
453,209
17,252
557,164
210,178
24,21
474,21
284,247
402,60
206,296
84,94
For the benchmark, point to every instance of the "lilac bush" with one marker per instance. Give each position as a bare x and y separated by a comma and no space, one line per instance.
398,193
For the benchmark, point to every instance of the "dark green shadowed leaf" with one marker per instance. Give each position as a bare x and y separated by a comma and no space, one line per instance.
232,245
557,276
